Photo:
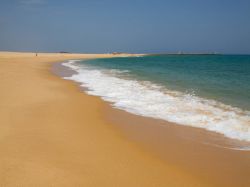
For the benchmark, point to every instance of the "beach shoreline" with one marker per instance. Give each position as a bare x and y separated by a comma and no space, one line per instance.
158,137
54,134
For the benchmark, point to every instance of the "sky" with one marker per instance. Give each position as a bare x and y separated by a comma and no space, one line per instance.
135,26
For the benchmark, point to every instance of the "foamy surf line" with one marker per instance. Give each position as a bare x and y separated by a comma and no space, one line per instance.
150,100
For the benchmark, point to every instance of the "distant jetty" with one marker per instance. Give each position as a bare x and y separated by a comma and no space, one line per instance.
187,53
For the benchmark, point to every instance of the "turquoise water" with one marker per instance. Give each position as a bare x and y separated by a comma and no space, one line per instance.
221,77
204,91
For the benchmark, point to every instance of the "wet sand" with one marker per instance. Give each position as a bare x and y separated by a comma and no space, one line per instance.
52,134
207,155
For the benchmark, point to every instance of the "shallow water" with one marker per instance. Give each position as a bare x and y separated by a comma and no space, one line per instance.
206,91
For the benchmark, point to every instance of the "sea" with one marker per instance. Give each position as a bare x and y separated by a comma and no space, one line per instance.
204,91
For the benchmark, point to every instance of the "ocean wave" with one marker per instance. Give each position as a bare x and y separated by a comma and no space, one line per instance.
151,100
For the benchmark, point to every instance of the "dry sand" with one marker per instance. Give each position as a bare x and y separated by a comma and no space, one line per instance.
51,134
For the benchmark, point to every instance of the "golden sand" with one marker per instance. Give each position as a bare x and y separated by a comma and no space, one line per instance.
51,134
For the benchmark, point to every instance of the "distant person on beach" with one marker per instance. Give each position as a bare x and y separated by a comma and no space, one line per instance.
36,54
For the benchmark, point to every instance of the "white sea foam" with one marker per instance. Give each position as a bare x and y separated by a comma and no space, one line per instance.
147,99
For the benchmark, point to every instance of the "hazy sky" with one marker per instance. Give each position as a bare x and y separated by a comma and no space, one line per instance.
125,25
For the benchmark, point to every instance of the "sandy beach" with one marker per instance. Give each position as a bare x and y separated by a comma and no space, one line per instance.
53,134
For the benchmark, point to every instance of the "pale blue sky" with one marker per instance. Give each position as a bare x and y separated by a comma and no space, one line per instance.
100,26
